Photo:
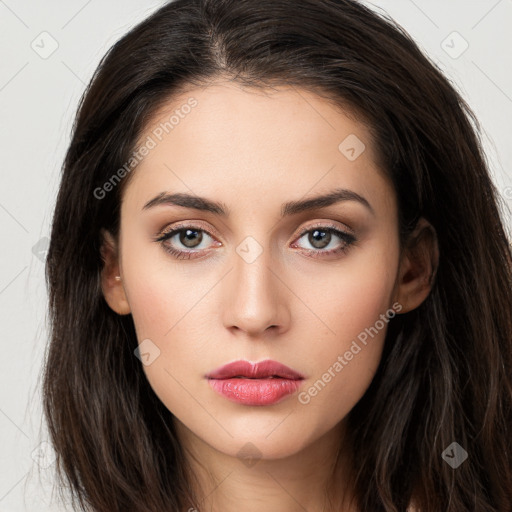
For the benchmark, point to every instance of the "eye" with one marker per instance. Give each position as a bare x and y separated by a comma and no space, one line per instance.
326,240
184,242
189,241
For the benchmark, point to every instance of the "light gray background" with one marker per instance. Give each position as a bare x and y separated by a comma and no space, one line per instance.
38,98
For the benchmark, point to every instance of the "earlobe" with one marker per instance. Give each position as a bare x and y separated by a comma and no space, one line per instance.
418,267
111,281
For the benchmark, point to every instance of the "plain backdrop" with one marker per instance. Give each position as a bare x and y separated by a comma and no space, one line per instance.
48,52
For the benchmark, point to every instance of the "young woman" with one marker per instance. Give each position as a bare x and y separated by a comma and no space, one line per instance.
279,277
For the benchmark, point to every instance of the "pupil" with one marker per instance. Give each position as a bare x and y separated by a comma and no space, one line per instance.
319,244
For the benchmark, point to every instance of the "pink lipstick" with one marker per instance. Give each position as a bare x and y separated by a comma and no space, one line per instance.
263,383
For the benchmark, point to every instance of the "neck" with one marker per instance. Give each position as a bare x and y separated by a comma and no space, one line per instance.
312,479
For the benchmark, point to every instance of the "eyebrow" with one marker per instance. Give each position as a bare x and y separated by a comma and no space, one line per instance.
287,209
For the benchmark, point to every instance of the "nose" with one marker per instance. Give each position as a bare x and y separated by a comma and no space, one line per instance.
256,299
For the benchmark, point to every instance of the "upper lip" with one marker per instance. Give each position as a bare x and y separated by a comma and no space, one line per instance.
261,370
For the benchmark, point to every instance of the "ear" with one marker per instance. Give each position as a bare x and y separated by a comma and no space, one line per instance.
111,279
418,266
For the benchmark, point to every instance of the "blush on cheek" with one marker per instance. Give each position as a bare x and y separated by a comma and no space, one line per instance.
360,311
154,299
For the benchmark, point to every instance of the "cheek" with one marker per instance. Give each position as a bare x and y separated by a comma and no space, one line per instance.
364,297
160,316
164,309
354,305
160,293
165,302
351,297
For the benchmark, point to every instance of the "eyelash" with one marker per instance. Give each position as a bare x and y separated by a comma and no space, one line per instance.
348,239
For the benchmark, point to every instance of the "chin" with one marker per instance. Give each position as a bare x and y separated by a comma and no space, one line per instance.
263,435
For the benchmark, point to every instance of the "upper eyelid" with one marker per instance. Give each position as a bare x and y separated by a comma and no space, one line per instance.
191,224
327,224
194,224
185,225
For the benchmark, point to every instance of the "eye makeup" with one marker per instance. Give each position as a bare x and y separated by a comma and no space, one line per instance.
321,233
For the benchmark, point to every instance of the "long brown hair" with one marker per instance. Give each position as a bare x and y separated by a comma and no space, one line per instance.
445,374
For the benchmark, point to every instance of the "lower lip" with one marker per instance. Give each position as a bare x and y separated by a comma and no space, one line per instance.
254,391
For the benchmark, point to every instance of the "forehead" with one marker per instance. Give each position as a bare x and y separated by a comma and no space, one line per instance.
238,144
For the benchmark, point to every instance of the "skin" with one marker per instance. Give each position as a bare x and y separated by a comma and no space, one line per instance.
252,151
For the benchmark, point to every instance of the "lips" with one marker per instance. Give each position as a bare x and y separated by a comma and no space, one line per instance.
263,383
263,370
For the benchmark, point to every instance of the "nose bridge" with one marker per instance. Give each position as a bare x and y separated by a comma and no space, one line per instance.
255,294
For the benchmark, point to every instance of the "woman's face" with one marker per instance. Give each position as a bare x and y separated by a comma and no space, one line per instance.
266,271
